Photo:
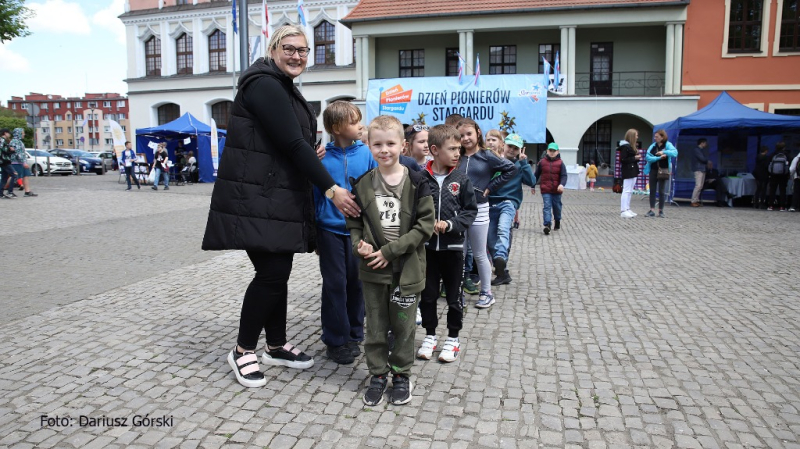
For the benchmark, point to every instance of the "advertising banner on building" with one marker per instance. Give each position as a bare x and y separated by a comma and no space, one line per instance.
515,103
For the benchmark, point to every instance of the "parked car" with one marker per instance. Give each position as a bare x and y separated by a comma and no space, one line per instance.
107,157
88,163
42,162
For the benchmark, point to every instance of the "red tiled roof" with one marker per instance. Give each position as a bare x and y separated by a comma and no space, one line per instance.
368,10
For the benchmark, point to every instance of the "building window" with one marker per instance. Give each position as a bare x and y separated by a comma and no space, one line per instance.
93,141
790,26
78,117
24,106
69,129
45,130
110,117
412,63
168,112
596,143
106,104
109,141
124,128
59,117
220,113
107,129
69,105
181,2
451,62
59,130
744,26
121,103
79,129
502,59
56,105
121,116
70,142
92,104
185,57
325,44
44,106
59,142
78,104
152,55
216,51
13,106
548,51
354,51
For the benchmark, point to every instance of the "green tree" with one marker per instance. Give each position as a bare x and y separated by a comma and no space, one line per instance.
18,122
13,14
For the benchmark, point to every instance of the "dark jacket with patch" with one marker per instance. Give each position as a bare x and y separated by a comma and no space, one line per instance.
407,253
454,203
262,200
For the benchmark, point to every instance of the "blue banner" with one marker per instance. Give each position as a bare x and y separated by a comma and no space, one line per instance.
515,103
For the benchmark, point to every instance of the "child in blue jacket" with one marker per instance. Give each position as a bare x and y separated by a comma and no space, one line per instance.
503,206
342,308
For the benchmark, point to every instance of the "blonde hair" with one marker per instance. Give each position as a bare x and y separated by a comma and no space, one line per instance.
386,123
284,32
497,133
630,136
340,114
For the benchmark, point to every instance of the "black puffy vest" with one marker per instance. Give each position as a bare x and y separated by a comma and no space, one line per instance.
261,201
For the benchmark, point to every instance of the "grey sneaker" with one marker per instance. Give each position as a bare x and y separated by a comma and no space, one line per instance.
661,214
374,394
485,301
650,214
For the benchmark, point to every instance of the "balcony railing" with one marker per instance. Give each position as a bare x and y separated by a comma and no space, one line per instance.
620,83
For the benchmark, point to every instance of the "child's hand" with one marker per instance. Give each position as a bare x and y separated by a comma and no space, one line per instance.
486,192
364,249
560,188
522,155
533,190
379,261
440,227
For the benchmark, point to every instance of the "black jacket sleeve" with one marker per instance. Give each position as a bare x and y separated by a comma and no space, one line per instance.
564,177
270,103
469,208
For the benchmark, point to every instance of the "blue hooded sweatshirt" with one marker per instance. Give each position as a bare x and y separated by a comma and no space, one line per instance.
512,190
342,164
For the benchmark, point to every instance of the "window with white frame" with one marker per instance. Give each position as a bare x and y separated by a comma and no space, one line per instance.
70,142
216,52
106,104
69,105
69,129
59,142
121,116
152,56
124,128
789,40
44,106
120,103
45,130
13,106
110,117
59,117
107,129
24,106
745,26
78,104
92,104
184,54
59,130
79,129
56,105
109,141
325,44
78,116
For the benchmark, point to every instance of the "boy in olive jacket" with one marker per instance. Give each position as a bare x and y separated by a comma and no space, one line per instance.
397,218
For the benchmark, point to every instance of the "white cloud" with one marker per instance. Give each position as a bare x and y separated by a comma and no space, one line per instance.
109,18
13,62
58,16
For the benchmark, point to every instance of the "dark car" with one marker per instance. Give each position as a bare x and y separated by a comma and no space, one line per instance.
87,162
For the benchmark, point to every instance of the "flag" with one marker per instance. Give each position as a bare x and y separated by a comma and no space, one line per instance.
546,71
265,20
557,72
460,66
235,26
477,68
301,13
255,48
85,119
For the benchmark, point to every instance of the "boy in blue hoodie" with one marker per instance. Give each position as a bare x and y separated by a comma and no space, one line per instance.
342,308
503,206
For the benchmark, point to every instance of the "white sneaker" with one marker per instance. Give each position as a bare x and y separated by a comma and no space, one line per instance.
428,346
450,350
632,212
627,214
419,317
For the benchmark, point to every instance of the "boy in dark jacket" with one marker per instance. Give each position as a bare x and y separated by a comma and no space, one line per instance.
342,302
456,208
397,218
551,173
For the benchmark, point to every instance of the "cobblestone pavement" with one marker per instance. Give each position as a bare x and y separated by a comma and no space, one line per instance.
679,332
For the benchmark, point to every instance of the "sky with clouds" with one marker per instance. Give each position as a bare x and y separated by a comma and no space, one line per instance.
75,46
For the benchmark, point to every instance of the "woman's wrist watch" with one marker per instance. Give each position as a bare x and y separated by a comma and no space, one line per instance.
330,192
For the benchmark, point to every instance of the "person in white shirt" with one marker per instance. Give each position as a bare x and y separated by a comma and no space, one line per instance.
129,161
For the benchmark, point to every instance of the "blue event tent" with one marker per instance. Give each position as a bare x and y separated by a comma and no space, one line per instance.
175,134
748,127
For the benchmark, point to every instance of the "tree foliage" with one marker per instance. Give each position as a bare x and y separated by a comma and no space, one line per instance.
13,14
18,122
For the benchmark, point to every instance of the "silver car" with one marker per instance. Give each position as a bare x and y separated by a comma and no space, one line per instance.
42,162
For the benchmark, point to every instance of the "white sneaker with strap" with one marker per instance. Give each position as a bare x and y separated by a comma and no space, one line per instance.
450,350
428,346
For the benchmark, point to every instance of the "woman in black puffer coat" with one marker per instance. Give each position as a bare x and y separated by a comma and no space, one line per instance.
262,201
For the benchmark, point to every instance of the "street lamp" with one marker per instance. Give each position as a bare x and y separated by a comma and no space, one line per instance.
94,126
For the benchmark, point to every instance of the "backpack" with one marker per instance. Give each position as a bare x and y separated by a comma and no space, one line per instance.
779,165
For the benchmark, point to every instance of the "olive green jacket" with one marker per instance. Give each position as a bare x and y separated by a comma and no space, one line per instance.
407,253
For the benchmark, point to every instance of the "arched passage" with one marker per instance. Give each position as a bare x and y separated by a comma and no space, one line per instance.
600,139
